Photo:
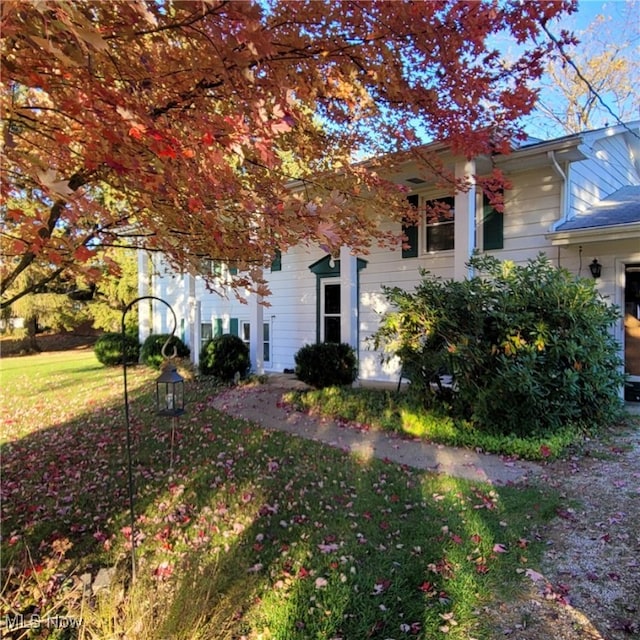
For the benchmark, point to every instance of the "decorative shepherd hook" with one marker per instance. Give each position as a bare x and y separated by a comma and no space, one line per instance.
126,415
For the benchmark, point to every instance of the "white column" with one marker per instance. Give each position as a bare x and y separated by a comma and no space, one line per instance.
144,289
464,222
197,333
256,337
192,328
348,297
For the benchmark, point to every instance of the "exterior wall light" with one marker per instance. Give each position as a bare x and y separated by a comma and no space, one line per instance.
596,268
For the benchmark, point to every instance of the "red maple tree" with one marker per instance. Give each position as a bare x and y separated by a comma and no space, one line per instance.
227,129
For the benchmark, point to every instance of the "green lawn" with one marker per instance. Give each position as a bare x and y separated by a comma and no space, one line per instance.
253,534
404,414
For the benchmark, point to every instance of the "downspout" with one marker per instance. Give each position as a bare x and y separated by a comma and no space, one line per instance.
564,201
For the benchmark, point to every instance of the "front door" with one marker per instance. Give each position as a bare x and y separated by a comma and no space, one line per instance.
632,332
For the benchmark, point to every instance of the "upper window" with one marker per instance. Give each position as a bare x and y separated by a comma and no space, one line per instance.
211,267
440,225
276,263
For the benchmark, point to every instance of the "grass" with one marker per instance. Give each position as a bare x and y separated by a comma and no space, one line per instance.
401,413
252,534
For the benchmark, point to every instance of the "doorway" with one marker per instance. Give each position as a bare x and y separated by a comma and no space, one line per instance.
330,311
632,332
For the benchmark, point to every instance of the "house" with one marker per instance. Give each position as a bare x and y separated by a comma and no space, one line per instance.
575,198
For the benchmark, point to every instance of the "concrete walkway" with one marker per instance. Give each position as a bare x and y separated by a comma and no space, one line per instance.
263,404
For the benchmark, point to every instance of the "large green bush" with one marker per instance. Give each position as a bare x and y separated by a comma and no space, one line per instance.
529,347
224,357
326,364
108,349
151,352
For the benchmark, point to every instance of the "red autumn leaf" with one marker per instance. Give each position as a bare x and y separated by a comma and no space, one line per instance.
83,254
167,152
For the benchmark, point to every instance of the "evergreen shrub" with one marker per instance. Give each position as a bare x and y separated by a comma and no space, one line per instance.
151,352
224,357
326,364
529,346
108,349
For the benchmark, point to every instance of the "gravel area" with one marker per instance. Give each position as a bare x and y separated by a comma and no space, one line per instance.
588,587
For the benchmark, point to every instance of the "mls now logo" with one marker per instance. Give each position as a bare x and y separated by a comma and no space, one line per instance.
35,621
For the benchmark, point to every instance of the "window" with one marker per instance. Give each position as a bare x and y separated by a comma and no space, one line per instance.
211,267
492,226
330,313
276,264
440,226
266,344
206,333
245,333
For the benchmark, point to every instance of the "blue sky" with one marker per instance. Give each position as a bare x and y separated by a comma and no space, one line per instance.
622,18
589,9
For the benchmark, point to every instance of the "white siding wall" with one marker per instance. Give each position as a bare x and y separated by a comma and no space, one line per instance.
387,267
530,208
293,306
609,167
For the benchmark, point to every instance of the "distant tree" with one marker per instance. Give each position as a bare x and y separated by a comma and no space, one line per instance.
117,288
607,60
47,310
186,113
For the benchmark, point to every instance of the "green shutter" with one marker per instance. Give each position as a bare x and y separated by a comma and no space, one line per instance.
233,271
492,226
233,326
217,327
411,231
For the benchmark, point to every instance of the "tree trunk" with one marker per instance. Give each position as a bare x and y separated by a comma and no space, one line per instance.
31,325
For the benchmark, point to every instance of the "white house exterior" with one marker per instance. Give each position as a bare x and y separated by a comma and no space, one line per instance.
576,199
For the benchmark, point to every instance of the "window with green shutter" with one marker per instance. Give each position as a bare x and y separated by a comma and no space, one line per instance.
233,326
217,327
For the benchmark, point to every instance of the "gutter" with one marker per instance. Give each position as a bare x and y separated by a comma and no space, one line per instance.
595,234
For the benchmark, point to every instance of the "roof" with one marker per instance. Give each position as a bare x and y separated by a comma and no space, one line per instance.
620,208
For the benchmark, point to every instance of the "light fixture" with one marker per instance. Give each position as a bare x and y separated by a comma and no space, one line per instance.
596,268
169,391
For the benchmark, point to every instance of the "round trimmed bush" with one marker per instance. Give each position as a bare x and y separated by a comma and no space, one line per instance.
225,357
326,364
108,349
151,353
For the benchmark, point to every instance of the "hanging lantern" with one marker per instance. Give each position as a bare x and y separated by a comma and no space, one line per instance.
169,391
